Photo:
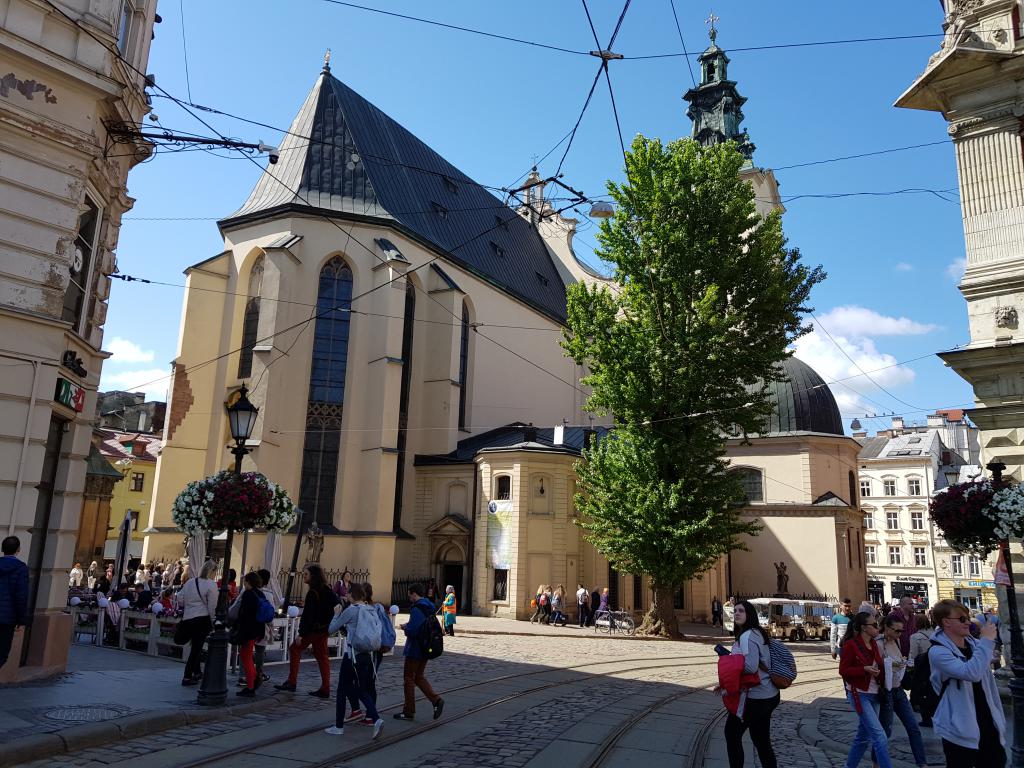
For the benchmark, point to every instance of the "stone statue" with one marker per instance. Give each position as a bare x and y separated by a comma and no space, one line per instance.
315,542
1006,317
781,578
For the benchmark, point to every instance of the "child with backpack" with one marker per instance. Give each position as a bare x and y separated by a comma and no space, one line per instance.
424,640
758,701
360,625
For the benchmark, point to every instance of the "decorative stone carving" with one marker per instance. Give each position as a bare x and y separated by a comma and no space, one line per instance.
1006,317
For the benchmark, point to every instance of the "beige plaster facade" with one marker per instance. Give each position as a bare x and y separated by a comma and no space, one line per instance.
974,81
64,75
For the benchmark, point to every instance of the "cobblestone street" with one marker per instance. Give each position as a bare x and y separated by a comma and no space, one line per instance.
538,698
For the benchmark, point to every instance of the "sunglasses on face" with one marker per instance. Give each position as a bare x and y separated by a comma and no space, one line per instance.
961,619
872,624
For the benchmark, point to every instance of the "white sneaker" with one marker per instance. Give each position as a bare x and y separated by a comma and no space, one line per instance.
377,728
335,731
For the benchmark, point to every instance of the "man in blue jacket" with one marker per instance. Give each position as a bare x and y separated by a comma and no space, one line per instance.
415,662
13,594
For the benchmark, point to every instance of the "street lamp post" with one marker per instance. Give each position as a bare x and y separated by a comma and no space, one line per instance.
1016,641
214,689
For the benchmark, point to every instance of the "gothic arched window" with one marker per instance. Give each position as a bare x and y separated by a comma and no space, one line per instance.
322,446
408,325
251,321
463,366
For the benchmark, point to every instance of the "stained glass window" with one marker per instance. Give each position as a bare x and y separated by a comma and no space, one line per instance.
463,366
251,322
322,445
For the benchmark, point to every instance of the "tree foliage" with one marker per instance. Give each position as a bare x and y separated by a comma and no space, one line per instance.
707,299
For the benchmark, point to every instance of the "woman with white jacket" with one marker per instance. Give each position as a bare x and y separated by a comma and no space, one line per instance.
969,717
199,600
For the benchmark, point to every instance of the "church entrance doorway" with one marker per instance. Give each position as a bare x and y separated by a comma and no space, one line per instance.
451,573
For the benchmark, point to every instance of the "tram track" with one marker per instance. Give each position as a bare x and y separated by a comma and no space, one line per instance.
603,751
407,733
431,725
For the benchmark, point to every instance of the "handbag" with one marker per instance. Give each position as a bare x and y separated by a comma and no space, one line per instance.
183,632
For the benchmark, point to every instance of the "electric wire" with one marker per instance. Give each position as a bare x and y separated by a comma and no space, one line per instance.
780,46
682,42
184,48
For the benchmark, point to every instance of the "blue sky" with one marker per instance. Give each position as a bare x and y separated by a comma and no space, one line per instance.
490,106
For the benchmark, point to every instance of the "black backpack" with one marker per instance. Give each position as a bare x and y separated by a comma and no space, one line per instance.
922,693
429,637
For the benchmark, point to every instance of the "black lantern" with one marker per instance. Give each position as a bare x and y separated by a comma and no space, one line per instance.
242,417
214,689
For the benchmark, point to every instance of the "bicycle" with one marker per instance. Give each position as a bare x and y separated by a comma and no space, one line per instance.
614,621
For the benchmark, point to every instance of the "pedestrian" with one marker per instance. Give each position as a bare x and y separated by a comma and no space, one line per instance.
143,597
387,623
13,594
761,699
969,718
558,606
260,653
317,612
837,628
860,666
920,642
905,613
602,607
232,585
92,574
582,604
538,608
76,576
891,686
595,601
166,601
415,659
359,625
450,608
341,586
431,594
199,600
549,594
716,612
247,629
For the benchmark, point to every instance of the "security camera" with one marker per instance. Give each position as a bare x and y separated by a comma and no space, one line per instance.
269,150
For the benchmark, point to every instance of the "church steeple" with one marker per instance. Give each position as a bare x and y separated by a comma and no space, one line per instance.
715,104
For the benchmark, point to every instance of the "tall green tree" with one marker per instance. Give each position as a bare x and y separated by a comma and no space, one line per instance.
707,300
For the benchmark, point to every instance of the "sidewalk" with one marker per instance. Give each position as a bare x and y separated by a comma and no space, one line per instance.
105,695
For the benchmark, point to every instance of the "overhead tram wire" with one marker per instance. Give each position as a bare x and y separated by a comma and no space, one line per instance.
780,46
458,28
500,223
862,154
184,48
818,324
682,42
354,298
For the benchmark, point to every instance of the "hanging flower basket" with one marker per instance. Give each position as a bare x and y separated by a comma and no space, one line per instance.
976,517
239,502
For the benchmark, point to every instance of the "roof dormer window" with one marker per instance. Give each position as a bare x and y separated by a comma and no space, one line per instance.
451,186
439,209
498,250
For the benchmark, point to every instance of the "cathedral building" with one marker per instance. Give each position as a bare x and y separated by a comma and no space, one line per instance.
398,326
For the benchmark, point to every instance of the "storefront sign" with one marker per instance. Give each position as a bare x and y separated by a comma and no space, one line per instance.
999,573
912,579
70,395
975,584
73,363
901,588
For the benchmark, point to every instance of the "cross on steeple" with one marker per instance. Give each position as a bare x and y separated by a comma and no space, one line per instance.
710,21
327,61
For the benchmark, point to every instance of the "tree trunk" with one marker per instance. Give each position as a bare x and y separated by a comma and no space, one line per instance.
660,620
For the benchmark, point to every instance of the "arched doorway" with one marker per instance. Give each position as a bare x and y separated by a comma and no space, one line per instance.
450,565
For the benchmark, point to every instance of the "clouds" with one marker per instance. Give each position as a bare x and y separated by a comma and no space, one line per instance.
124,351
118,373
853,321
903,266
855,329
956,269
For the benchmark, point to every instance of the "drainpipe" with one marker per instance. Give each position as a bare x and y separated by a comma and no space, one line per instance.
472,537
24,448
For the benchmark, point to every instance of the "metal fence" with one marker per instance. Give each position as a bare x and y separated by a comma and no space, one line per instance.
331,576
400,590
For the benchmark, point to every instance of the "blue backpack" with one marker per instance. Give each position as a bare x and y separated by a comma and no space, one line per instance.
387,630
265,612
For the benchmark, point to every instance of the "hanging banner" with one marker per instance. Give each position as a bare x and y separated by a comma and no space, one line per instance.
69,395
499,536
999,573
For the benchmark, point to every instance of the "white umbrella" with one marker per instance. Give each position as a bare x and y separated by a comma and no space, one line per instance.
272,562
121,554
196,551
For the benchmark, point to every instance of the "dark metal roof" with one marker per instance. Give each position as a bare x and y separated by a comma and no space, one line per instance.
513,437
872,446
360,163
803,402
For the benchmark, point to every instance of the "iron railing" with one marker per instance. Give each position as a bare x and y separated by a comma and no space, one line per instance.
823,598
331,576
400,590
